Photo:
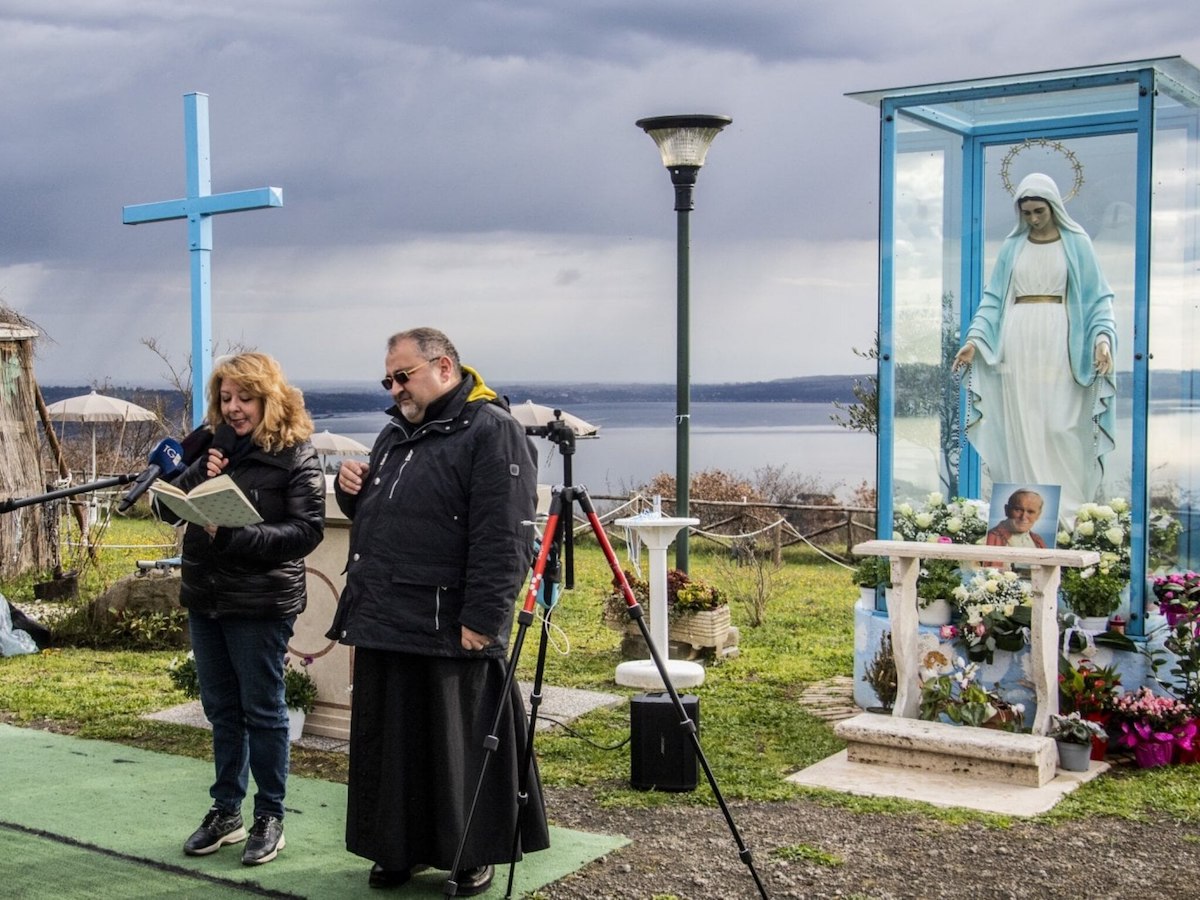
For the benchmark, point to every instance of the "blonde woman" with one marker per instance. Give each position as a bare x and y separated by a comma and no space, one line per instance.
243,588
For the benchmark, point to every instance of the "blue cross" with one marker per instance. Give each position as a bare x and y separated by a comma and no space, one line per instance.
198,207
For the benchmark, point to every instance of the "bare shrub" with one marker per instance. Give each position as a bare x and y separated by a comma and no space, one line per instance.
713,486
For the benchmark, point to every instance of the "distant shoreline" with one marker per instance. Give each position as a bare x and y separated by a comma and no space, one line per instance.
326,398
331,398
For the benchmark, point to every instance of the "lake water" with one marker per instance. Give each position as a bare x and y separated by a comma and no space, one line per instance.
637,441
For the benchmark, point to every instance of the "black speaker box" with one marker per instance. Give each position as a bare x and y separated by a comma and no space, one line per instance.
662,756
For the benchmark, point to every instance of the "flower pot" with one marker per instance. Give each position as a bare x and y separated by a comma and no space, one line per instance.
1074,757
1093,624
1099,744
1183,757
934,612
295,724
1174,613
1187,744
707,628
1149,754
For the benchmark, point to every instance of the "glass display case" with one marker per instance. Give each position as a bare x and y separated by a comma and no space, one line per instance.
1121,143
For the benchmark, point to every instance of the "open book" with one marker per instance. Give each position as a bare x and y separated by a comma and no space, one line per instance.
217,501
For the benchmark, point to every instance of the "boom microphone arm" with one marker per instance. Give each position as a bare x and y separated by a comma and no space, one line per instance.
16,503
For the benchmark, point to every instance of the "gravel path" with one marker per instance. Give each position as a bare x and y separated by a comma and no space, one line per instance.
803,849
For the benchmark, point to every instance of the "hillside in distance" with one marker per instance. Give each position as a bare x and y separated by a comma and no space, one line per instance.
327,398
342,398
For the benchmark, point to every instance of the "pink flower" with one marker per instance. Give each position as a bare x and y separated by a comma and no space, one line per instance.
1185,735
948,632
944,540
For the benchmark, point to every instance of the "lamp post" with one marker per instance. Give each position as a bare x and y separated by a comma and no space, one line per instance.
683,142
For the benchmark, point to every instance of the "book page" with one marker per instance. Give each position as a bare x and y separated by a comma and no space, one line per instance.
223,504
217,501
176,501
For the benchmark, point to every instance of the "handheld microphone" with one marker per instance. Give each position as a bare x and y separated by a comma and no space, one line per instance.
224,439
166,461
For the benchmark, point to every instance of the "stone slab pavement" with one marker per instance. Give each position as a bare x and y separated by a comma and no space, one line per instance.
559,706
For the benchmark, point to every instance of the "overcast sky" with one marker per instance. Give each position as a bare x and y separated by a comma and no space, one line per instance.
474,165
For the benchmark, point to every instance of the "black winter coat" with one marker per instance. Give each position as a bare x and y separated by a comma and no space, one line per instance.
442,532
256,571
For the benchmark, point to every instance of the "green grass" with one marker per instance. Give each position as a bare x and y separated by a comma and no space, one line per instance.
753,730
805,853
122,543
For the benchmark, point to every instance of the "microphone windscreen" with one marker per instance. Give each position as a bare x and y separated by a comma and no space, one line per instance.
225,439
196,444
168,458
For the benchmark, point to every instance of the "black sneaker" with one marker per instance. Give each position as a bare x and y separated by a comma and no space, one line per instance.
266,840
219,827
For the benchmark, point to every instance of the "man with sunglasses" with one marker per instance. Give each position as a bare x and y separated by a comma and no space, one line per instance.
440,544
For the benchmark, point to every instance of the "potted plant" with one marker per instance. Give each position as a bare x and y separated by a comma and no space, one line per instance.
997,612
1179,655
1094,592
1089,691
697,613
954,694
959,521
299,695
1147,723
881,675
936,582
869,573
1177,594
182,671
1074,735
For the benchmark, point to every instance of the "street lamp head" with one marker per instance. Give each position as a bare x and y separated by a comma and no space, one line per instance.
683,140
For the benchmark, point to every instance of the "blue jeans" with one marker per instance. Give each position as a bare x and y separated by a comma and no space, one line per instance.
240,664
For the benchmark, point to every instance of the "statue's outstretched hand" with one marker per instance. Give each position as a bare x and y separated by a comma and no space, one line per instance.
963,358
1103,358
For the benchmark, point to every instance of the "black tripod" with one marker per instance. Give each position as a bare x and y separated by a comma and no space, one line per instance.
545,575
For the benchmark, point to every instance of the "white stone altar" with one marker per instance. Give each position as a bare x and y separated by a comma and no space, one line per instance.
332,663
1044,565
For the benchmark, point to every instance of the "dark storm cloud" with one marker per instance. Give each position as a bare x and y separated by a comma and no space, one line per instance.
481,159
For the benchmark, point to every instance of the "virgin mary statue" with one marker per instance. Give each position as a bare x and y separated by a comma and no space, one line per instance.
1039,352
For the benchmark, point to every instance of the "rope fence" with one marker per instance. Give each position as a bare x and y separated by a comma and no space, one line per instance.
853,524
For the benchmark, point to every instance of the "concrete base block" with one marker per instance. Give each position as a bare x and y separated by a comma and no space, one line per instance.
984,753
837,773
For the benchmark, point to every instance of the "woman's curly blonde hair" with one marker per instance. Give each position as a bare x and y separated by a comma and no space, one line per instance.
285,421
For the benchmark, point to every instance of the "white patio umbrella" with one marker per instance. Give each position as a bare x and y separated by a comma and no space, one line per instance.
326,443
535,414
96,408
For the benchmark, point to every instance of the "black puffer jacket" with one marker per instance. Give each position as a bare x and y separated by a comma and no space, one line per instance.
442,534
257,571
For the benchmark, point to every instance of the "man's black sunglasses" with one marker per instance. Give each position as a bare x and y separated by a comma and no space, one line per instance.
401,376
